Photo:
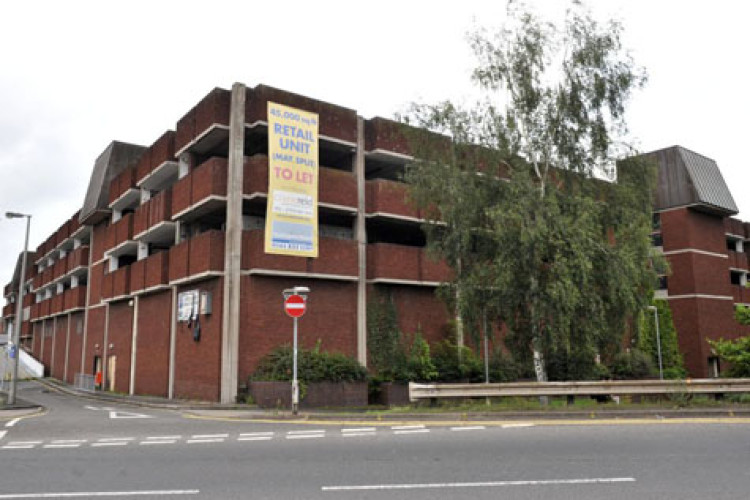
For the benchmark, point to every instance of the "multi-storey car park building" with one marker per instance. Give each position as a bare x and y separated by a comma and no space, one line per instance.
185,217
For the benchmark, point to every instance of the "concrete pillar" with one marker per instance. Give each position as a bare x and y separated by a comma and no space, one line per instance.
67,348
134,346
361,234
230,326
105,347
172,343
88,304
142,250
145,195
183,165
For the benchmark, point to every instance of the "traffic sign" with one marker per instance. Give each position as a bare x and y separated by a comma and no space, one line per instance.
294,306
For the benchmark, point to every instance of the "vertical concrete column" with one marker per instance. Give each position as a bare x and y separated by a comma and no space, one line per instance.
67,348
105,347
230,325
54,341
134,346
172,343
88,303
359,170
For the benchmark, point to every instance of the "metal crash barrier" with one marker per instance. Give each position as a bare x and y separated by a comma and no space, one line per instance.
597,388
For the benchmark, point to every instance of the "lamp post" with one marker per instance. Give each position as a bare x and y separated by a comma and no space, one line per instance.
15,341
658,339
295,309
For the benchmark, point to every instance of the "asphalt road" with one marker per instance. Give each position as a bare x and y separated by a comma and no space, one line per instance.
80,449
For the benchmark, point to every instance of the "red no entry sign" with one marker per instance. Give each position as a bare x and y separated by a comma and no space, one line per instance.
294,306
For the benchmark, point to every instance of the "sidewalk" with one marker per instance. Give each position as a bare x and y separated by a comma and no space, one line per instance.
202,409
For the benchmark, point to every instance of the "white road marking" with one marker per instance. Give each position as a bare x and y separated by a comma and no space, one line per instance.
199,441
2,434
544,482
18,446
516,426
68,441
361,429
413,431
316,431
154,441
406,427
162,438
255,436
469,428
104,440
126,414
61,445
89,494
99,408
358,434
209,436
109,443
12,422
33,443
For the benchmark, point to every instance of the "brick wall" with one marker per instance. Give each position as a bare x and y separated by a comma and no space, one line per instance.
330,317
152,360
198,364
94,338
120,337
76,343
57,369
418,309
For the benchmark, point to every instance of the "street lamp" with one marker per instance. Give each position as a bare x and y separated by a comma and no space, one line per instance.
295,310
15,341
658,339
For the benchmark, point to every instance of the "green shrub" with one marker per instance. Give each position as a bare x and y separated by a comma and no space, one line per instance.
419,365
312,366
503,368
736,353
632,365
456,364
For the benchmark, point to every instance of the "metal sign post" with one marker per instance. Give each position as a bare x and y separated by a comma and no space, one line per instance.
295,306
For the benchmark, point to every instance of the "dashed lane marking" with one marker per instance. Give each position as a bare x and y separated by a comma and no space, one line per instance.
409,429
255,436
109,443
517,426
202,441
209,436
469,428
11,423
484,484
358,432
308,434
2,434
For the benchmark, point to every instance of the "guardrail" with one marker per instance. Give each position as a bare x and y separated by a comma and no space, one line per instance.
597,388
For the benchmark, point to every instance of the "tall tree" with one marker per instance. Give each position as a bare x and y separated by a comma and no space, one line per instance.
558,256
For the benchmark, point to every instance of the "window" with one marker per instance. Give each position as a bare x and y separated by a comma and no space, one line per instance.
735,277
657,240
731,245
661,283
656,222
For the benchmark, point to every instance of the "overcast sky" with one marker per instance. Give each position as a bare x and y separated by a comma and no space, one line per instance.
75,75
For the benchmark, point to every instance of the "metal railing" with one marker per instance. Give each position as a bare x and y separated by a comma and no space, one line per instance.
598,388
84,382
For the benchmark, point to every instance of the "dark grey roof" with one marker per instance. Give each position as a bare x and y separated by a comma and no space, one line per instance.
113,160
688,178
17,270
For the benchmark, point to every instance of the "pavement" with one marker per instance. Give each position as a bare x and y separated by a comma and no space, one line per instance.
203,409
